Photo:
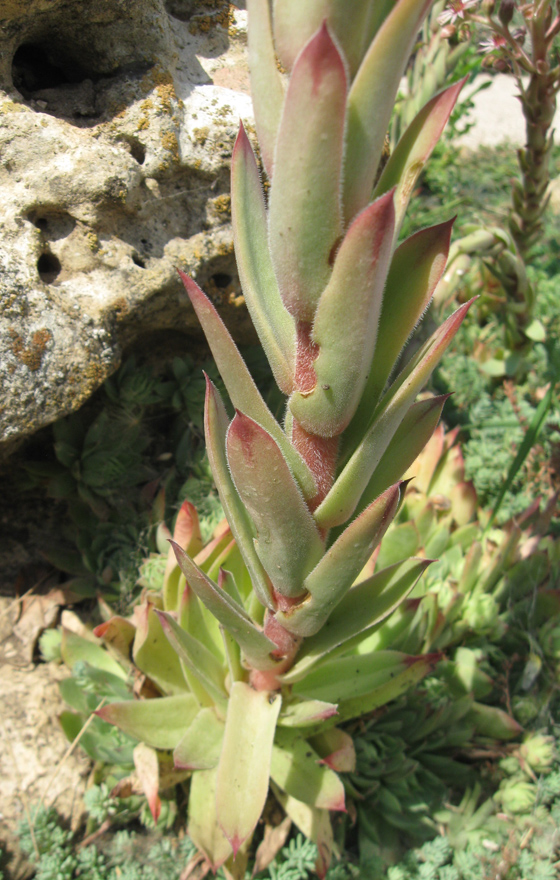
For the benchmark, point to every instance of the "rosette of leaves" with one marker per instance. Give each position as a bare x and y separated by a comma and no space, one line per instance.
258,650
483,576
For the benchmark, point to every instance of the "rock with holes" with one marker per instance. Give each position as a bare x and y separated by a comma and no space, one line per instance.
118,119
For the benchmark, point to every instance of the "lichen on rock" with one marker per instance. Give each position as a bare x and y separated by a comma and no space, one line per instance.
108,185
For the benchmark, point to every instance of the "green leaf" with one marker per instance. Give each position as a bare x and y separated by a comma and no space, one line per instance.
416,268
304,206
216,424
267,88
200,745
244,767
306,713
535,331
197,658
414,148
347,490
346,322
159,723
363,607
273,323
296,769
239,383
401,542
493,722
153,655
415,672
345,678
287,540
254,644
408,442
74,648
296,22
337,570
372,97
204,830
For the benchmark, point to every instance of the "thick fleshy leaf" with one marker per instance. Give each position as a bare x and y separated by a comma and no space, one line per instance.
200,746
75,648
273,323
159,723
371,100
416,268
306,713
153,655
336,748
233,617
314,824
346,322
414,148
216,423
147,769
287,540
347,490
296,22
267,88
239,383
411,675
408,441
118,633
345,678
244,767
187,534
203,827
363,607
339,567
195,619
304,207
296,768
493,722
196,657
215,548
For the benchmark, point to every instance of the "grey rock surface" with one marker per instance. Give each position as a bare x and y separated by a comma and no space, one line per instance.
117,121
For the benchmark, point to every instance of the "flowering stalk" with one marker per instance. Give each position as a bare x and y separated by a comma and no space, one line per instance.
537,74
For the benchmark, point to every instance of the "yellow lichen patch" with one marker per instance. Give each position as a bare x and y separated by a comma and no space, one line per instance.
11,107
170,143
162,83
30,355
200,135
222,205
236,301
223,17
93,241
225,249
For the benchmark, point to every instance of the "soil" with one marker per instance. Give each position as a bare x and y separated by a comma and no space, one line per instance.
31,760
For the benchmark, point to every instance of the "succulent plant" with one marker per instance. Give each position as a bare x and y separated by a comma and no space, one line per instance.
256,648
483,575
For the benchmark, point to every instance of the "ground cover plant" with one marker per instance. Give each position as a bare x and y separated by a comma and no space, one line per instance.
490,602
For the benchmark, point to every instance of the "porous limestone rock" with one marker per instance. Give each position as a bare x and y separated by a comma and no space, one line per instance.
117,121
